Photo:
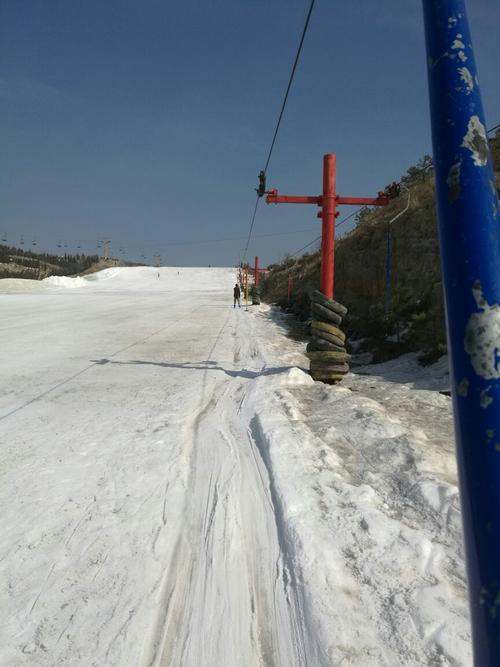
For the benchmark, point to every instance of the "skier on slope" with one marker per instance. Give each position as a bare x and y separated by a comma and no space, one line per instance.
237,295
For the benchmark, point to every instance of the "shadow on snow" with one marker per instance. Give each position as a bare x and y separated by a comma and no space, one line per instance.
201,366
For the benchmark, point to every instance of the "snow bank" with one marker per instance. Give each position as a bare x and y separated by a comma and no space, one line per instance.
407,370
363,475
65,281
140,278
147,278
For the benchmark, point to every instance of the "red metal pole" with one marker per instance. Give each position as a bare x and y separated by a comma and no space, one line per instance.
289,288
329,201
328,212
256,281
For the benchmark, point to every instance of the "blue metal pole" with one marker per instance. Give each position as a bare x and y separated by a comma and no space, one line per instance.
469,230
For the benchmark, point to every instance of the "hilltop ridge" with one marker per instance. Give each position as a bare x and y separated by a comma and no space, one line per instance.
19,263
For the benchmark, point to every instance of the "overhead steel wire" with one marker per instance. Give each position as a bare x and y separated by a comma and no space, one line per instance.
306,25
283,105
252,223
318,238
163,244
306,246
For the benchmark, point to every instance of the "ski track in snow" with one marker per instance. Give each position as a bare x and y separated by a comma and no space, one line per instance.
216,539
176,492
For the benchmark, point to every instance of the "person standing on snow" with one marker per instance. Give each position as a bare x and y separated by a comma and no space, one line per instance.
237,295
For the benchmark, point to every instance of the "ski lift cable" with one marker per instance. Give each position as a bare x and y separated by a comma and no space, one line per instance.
388,259
167,243
351,215
306,246
294,68
282,110
252,223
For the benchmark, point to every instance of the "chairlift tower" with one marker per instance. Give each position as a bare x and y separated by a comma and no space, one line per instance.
105,248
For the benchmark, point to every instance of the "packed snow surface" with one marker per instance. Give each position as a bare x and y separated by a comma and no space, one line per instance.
176,490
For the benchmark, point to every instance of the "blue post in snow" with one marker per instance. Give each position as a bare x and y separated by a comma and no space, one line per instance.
469,230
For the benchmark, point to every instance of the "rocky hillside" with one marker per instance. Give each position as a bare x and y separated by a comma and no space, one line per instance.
410,315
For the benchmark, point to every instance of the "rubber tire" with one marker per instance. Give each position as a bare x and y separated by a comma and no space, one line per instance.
321,313
327,338
318,344
319,367
328,357
318,297
327,378
327,328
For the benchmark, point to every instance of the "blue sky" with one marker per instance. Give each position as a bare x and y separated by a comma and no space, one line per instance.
147,121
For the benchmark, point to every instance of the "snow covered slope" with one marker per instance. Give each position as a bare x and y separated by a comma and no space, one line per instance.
176,490
19,285
147,278
142,278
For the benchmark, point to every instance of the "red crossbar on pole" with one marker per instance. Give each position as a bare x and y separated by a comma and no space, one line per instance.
381,200
274,198
328,201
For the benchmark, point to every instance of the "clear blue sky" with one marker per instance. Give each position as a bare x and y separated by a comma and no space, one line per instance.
147,121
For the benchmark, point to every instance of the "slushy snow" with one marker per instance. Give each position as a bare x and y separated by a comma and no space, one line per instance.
176,489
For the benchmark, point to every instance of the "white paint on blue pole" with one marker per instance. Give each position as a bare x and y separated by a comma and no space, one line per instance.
469,230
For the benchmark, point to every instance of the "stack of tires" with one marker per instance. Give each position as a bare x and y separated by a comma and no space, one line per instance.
255,295
326,351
